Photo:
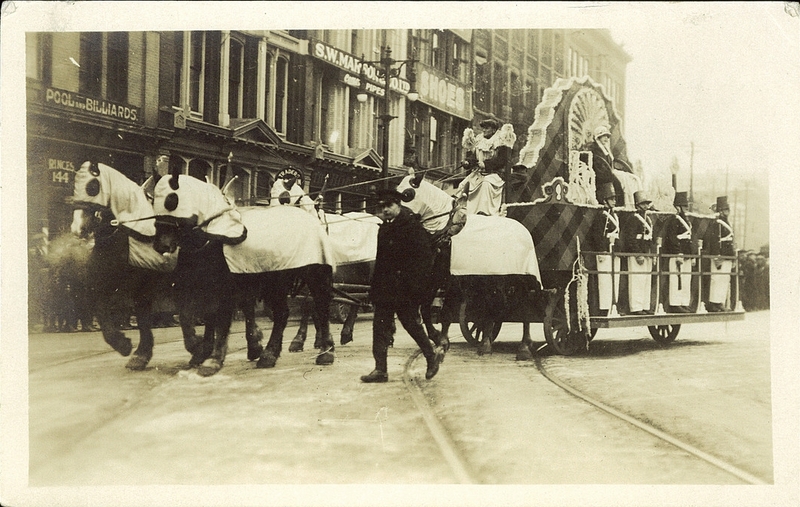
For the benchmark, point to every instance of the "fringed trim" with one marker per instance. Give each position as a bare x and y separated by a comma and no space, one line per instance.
469,141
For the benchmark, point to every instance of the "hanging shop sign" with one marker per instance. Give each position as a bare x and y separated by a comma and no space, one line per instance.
353,65
443,92
95,107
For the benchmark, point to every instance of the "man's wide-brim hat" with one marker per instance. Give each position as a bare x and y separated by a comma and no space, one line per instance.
606,191
640,197
489,122
387,196
722,204
681,199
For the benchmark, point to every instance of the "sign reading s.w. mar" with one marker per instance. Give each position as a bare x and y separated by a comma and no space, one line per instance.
95,107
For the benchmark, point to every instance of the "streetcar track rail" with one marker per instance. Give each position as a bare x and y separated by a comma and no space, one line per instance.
661,435
441,436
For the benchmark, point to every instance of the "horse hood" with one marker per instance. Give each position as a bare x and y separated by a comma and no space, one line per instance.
217,217
105,186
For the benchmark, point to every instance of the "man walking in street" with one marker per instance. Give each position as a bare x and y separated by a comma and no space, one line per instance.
399,284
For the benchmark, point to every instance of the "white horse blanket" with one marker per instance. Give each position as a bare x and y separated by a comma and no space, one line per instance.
278,237
353,236
492,245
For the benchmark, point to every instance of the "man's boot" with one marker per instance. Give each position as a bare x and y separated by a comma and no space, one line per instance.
375,376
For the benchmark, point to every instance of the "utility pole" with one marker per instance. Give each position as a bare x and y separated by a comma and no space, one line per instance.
691,177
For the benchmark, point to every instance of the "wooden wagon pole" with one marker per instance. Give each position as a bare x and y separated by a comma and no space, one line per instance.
659,305
701,305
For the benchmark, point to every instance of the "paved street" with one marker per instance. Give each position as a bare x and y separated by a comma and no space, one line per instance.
92,422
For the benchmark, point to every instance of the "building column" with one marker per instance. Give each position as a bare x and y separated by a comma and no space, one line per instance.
224,64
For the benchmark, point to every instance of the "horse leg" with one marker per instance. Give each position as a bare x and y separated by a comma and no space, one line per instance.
276,299
349,324
525,350
302,332
144,351
111,333
221,326
253,333
319,279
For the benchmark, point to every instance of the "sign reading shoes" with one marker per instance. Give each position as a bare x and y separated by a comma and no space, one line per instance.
96,107
443,92
353,65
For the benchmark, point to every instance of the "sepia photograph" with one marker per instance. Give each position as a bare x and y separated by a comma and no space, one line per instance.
399,253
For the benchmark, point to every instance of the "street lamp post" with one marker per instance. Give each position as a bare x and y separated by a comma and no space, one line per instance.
387,71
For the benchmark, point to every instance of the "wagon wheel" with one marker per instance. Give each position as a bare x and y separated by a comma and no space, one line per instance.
554,323
472,331
664,334
593,333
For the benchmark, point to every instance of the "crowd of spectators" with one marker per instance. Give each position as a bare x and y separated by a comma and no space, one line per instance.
754,279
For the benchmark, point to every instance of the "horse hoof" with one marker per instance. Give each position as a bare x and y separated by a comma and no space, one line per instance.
320,344
137,362
197,359
123,345
209,367
296,346
325,358
346,338
524,354
267,360
254,352
485,348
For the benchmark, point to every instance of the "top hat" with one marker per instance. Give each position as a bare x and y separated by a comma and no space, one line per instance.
489,122
722,204
388,196
640,197
601,131
606,191
681,199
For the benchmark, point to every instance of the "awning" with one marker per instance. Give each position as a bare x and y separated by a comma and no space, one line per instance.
464,33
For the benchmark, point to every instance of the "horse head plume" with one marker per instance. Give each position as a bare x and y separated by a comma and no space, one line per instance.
174,173
416,180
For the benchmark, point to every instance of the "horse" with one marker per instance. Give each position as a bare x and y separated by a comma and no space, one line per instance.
227,254
495,283
122,265
354,239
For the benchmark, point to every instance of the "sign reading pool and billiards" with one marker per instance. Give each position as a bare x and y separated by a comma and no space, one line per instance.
95,107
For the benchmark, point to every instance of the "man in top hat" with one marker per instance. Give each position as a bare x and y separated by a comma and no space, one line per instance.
399,284
288,190
677,243
639,239
488,155
608,287
720,267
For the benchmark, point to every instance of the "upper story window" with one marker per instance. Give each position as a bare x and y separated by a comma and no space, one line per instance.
117,75
90,76
196,71
281,93
235,78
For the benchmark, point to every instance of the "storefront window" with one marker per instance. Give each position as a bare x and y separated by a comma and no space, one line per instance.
199,168
433,142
